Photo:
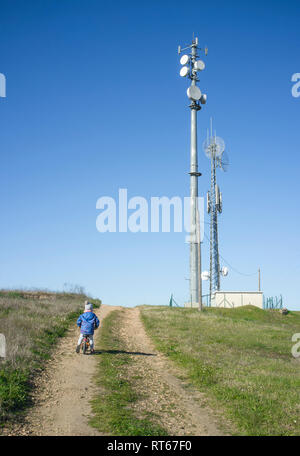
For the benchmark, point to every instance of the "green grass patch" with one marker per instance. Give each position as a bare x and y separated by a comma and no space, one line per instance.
11,294
241,358
14,387
112,411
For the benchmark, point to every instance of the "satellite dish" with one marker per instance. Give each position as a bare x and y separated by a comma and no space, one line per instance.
224,271
205,275
184,71
199,65
194,93
213,146
223,161
184,59
203,98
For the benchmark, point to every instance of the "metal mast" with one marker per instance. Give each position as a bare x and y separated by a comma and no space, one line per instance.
214,148
214,284
190,68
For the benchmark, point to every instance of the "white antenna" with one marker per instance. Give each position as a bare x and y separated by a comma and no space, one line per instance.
213,147
223,161
205,275
224,271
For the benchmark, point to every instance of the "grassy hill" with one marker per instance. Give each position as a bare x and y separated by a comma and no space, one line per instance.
241,358
32,323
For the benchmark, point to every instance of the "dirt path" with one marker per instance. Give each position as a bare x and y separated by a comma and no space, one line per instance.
179,407
63,391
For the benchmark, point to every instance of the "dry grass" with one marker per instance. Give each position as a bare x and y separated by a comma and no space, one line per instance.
31,327
22,321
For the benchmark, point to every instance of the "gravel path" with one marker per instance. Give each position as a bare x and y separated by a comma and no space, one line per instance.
62,393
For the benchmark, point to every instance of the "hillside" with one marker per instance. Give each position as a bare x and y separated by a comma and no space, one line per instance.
156,370
240,358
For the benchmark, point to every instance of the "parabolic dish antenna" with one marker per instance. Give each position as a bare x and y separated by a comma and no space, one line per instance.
184,59
184,71
199,65
205,275
194,93
224,271
213,146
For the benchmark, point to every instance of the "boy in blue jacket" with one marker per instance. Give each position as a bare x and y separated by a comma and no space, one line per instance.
87,322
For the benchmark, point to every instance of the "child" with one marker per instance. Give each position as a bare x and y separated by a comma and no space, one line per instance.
87,322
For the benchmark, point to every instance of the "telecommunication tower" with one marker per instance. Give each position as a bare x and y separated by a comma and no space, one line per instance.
214,148
190,68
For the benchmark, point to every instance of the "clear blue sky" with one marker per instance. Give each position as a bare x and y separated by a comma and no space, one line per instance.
95,103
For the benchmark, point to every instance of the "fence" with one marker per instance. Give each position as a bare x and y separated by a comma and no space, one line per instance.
274,302
225,299
173,303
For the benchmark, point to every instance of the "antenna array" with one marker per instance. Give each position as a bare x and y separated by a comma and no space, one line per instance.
214,149
190,67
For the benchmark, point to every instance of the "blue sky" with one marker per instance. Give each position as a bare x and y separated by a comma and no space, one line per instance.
95,103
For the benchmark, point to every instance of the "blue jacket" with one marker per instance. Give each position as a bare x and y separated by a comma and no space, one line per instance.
87,322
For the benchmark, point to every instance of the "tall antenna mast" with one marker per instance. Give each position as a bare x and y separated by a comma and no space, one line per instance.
214,148
190,68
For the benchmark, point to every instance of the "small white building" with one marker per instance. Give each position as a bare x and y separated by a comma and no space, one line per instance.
237,299
231,299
